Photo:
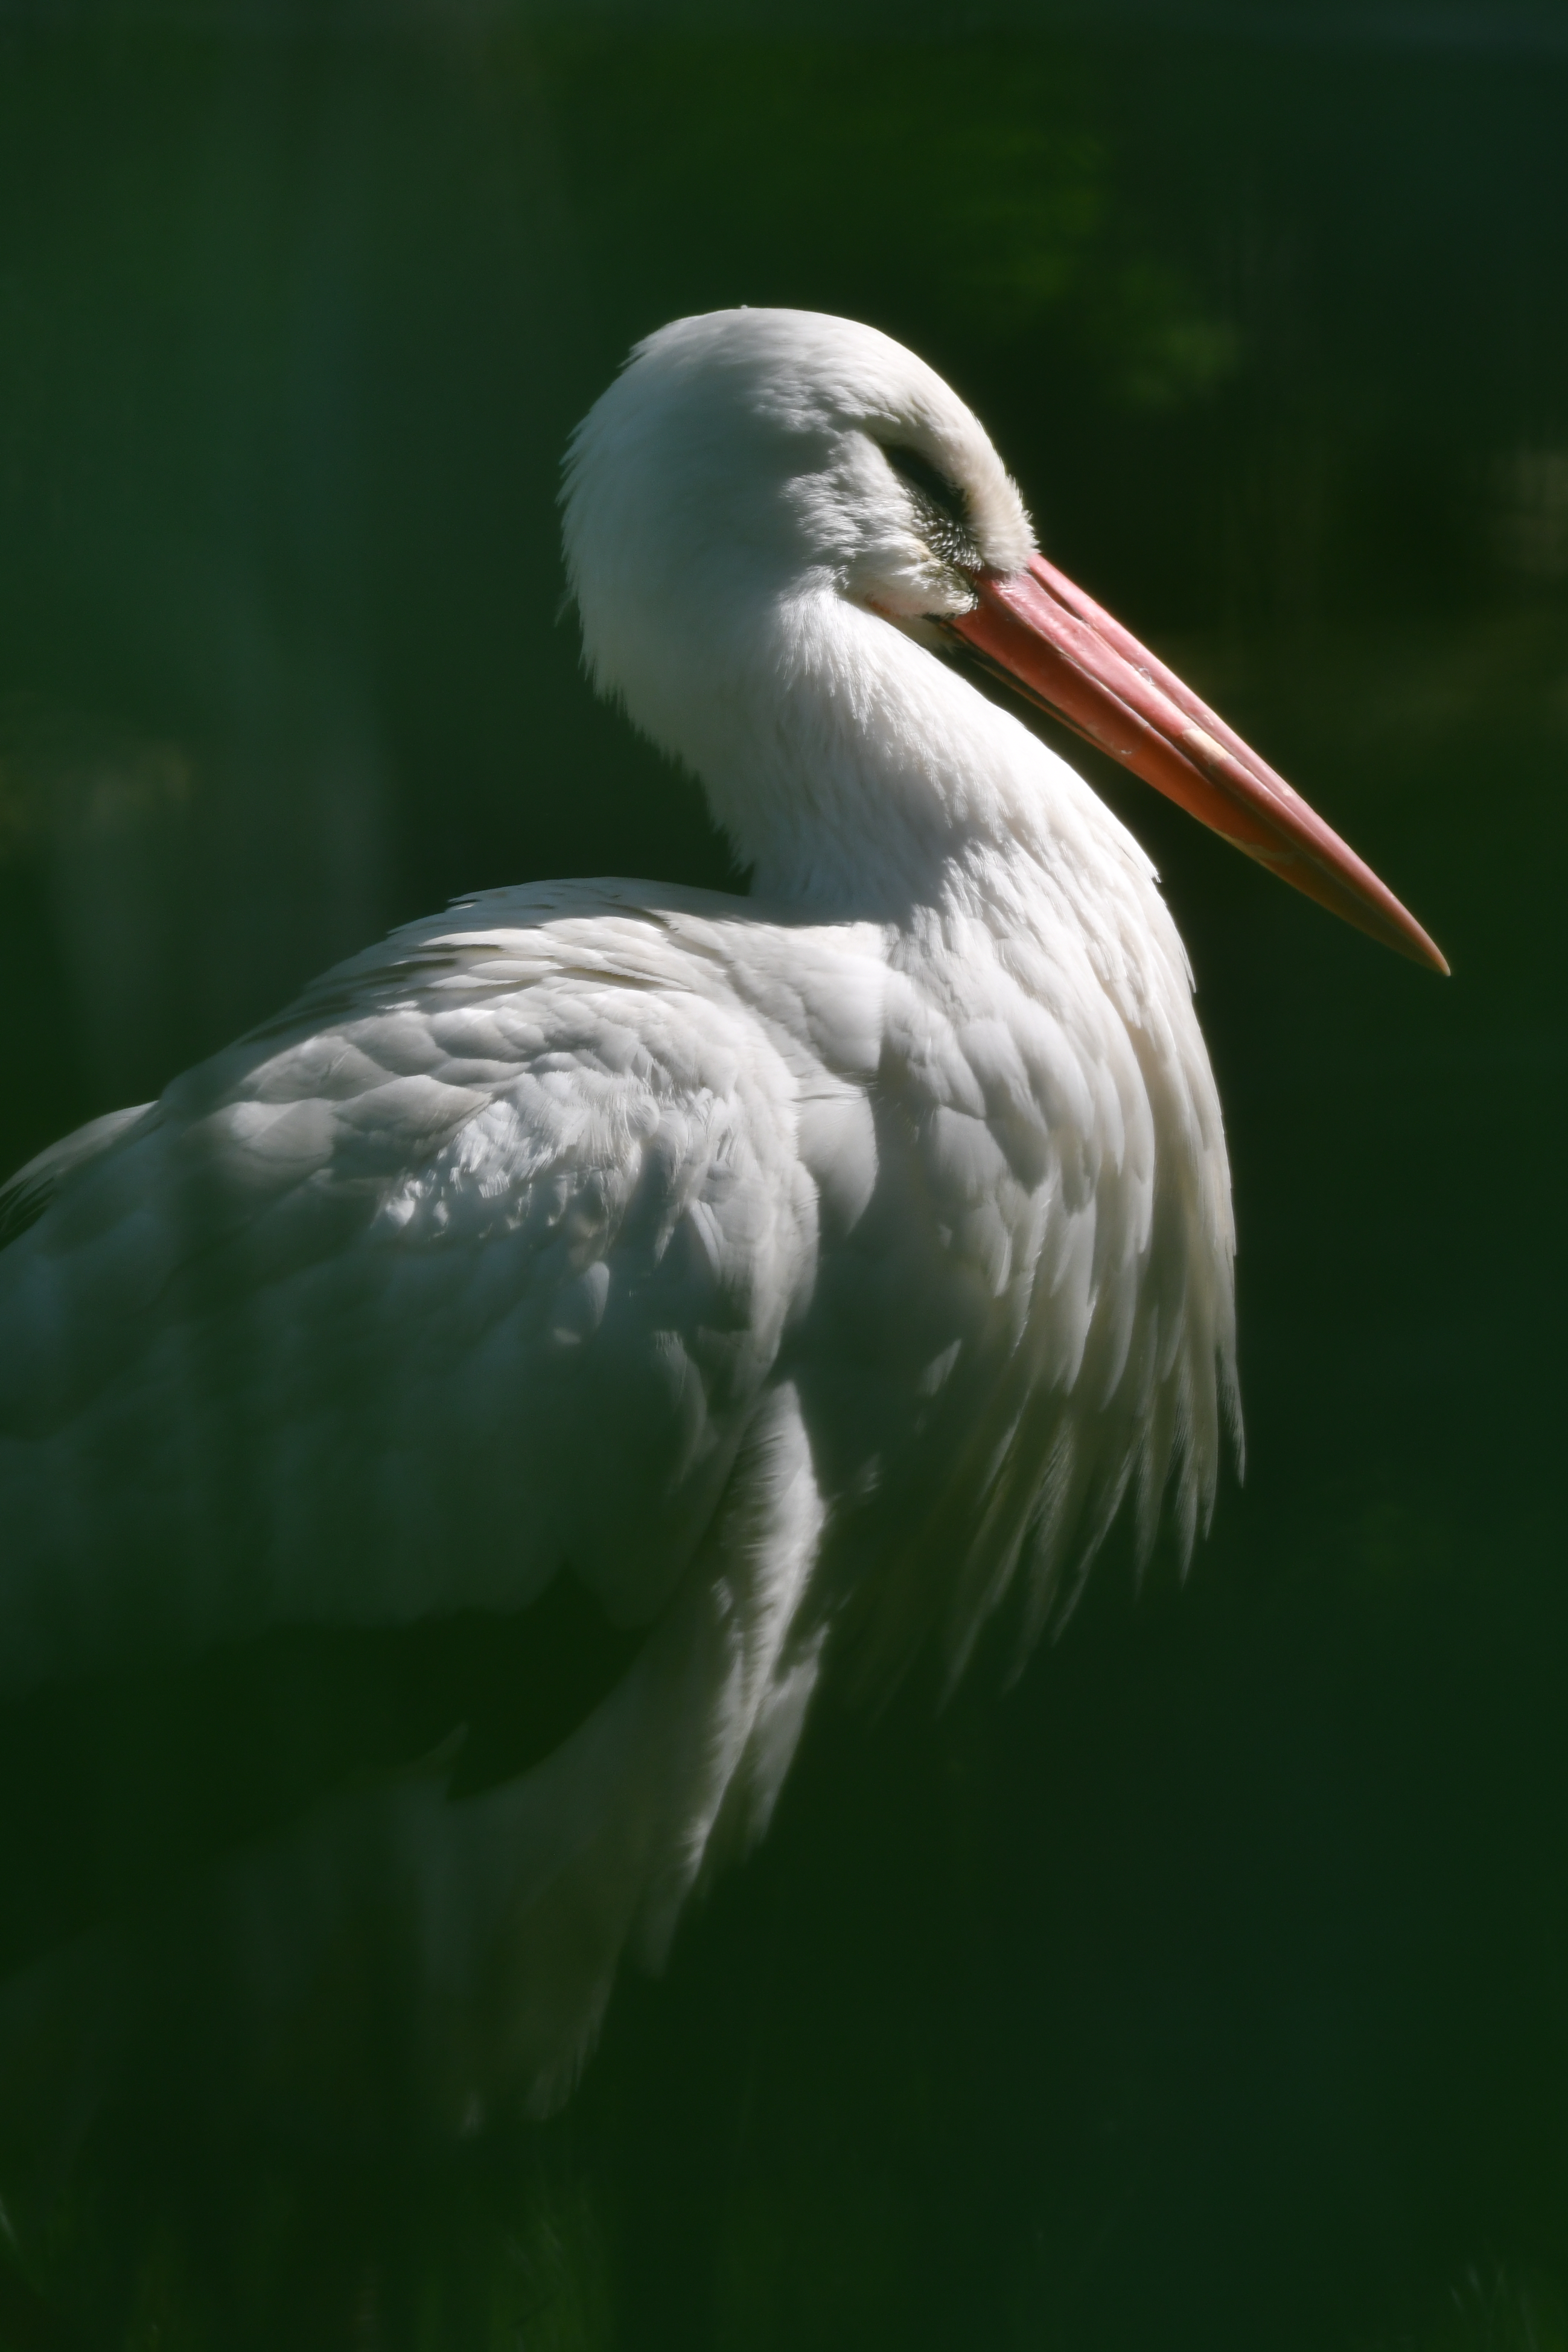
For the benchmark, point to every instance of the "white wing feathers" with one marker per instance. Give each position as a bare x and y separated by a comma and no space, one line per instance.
395,1310
769,1278
479,1260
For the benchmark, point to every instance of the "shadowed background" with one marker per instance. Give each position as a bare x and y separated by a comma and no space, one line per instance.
1210,1987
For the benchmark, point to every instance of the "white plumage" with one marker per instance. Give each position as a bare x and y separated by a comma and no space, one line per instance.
818,1267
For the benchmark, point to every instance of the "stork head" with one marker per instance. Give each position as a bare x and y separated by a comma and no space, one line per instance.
763,499
750,456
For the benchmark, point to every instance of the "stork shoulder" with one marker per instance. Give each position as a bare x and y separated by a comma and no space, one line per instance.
472,1262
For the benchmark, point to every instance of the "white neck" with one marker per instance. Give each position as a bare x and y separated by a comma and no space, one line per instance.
861,777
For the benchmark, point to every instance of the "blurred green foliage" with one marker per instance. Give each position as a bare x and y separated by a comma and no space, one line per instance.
968,179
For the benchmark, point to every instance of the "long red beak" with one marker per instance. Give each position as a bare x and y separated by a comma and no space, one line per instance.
1055,643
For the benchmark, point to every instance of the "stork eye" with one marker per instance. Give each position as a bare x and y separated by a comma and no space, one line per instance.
929,483
941,505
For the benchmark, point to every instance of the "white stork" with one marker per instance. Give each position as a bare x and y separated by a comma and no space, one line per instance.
820,1267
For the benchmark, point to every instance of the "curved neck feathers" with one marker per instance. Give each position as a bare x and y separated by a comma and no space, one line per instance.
862,777
851,769
859,776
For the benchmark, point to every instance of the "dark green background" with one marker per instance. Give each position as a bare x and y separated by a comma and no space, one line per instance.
1210,1987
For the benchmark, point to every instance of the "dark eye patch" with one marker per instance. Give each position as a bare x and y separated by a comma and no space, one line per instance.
942,505
929,481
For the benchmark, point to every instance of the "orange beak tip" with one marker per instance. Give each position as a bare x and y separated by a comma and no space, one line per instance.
1065,653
